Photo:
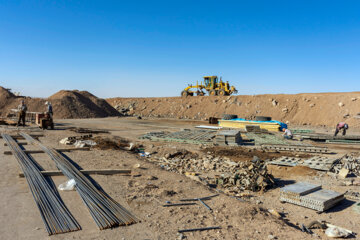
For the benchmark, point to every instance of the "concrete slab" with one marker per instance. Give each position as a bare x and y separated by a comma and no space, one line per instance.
310,196
300,188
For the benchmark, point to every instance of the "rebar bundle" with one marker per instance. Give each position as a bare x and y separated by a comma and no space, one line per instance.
56,217
105,211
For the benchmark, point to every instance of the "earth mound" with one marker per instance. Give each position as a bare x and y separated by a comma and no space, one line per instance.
80,104
66,104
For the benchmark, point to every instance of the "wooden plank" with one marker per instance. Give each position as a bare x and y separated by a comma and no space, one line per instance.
59,150
20,143
94,171
21,137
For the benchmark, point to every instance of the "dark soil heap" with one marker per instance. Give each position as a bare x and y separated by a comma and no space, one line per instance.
66,104
80,104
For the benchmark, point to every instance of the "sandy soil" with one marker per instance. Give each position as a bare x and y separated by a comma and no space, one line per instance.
314,109
150,186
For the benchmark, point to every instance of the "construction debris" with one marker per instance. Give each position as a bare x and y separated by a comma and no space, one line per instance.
242,176
255,129
316,162
196,199
350,162
228,138
343,172
352,195
310,196
295,148
261,139
337,232
178,204
87,130
235,177
73,139
198,229
202,136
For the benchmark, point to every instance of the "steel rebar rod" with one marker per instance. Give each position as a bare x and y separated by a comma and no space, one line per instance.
56,217
105,211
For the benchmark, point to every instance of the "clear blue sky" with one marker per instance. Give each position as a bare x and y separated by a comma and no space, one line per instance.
155,48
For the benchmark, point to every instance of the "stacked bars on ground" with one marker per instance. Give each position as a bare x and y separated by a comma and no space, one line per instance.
105,211
56,217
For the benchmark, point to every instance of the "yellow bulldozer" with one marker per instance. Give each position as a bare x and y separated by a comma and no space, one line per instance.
212,85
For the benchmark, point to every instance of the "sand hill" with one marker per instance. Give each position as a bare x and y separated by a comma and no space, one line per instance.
301,109
66,104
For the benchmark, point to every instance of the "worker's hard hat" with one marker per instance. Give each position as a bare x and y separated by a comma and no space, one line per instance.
46,103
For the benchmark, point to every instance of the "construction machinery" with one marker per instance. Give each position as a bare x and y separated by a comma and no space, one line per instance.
44,120
212,85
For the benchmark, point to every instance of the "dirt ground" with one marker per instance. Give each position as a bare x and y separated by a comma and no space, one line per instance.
305,109
150,186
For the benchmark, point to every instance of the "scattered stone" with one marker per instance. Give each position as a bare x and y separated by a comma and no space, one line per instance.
350,162
341,104
285,110
152,178
343,172
353,99
137,165
274,103
235,177
312,105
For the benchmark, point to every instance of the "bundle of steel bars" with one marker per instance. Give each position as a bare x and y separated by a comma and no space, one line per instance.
56,217
105,211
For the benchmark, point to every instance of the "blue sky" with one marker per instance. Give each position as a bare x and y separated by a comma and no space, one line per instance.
155,48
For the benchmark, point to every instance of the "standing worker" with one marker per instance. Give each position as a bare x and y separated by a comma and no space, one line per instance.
341,125
287,133
49,114
49,109
22,108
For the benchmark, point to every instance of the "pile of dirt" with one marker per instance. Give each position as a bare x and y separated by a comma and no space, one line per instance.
80,104
115,143
246,154
6,98
66,104
314,109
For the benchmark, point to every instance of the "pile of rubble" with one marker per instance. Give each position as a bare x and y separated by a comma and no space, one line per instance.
350,162
235,177
79,141
242,176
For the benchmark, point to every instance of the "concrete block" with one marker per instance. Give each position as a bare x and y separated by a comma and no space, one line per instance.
343,172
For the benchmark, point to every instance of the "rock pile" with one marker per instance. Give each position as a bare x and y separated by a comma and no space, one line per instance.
350,162
251,176
234,177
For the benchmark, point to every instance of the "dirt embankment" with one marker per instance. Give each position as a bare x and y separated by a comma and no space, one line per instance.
66,104
314,109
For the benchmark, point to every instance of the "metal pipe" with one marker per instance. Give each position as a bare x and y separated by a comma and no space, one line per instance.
198,229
